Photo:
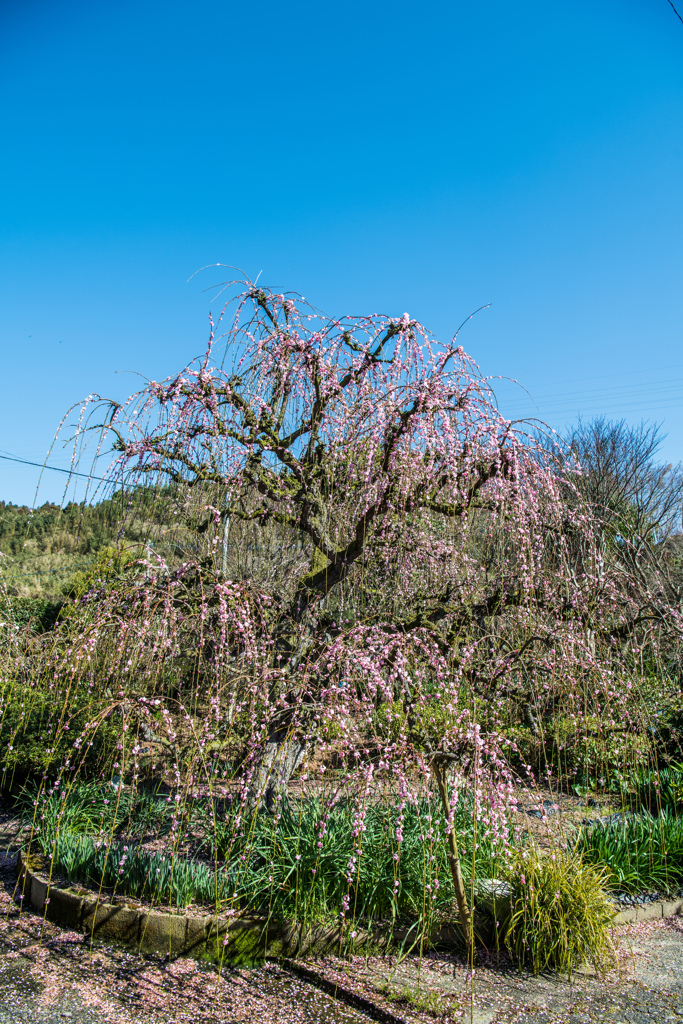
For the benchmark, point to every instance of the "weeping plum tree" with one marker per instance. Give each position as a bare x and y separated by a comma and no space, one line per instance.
374,562
382,461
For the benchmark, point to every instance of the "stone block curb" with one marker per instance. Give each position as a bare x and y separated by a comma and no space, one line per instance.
235,939
245,938
151,931
238,939
64,908
649,912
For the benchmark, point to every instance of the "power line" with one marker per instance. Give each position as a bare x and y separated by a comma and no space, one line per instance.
659,399
645,391
675,11
57,469
641,395
602,376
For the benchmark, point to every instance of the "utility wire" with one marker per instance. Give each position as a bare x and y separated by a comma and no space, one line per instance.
634,397
675,11
57,469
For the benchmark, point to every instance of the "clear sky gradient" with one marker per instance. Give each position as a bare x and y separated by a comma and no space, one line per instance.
373,156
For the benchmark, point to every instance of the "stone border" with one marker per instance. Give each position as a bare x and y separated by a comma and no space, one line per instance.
186,934
150,931
211,935
649,911
234,939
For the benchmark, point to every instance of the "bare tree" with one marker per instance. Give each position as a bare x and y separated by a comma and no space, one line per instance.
636,502
631,491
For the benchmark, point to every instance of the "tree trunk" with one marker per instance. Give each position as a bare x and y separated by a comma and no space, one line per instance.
466,916
281,756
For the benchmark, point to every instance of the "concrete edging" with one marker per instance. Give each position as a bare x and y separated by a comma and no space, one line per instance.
233,938
151,931
187,934
649,912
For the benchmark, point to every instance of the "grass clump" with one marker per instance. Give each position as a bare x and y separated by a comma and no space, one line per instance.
640,853
93,809
322,863
662,789
559,914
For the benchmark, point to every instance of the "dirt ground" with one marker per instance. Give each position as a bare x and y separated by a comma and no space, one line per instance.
647,985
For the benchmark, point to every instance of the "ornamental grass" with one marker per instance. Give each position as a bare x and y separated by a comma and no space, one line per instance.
560,913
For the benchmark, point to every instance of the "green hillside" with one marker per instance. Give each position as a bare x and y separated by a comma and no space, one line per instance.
42,550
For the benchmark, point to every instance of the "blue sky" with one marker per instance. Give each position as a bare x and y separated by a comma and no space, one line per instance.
373,156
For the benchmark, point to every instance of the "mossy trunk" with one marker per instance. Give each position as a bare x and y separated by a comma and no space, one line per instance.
282,752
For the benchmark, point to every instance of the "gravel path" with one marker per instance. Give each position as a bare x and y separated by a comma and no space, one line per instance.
49,975
646,986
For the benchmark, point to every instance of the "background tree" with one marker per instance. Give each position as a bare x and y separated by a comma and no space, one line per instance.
631,491
636,503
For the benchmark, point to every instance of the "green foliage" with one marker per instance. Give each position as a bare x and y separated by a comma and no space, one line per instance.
106,571
41,546
419,998
160,877
92,809
662,790
428,722
310,862
36,614
560,912
640,853
40,549
594,755
390,720
304,864
667,717
38,726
